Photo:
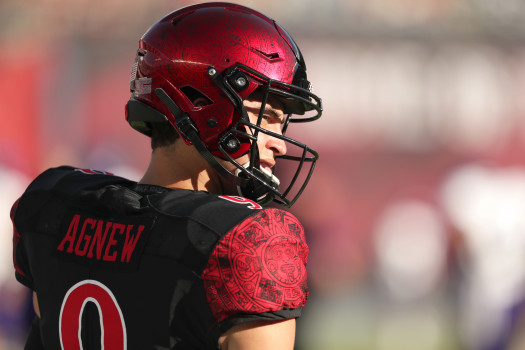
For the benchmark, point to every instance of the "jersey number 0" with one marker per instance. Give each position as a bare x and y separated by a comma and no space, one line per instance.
110,316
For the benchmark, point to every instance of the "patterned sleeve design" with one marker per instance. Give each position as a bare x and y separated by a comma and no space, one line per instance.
259,266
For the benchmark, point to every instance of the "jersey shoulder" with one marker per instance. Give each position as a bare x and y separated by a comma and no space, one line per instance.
68,179
259,267
58,188
215,213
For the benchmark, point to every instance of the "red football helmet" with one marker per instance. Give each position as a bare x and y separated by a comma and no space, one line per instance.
222,53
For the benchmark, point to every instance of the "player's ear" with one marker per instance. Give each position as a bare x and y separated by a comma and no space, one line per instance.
201,102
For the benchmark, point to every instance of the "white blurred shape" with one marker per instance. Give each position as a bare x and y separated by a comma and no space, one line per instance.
411,248
488,206
13,185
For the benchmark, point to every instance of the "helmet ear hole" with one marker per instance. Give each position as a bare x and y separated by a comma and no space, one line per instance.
197,98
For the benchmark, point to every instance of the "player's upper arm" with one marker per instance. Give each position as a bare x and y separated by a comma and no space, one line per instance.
278,335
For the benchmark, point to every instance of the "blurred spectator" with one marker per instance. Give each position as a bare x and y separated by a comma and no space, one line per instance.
486,204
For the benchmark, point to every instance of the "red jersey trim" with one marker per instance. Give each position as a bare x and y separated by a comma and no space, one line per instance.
259,266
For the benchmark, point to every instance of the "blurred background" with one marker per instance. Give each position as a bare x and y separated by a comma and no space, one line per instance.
415,215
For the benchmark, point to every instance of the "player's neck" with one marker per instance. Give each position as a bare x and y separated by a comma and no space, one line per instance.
180,167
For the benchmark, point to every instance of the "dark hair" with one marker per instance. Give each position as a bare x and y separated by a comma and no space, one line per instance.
163,135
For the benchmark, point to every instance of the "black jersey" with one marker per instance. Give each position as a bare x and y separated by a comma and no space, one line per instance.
121,265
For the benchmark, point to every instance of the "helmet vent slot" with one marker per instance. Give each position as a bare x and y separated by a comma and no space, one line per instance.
270,56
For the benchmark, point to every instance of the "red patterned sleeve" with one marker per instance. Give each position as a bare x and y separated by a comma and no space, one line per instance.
258,267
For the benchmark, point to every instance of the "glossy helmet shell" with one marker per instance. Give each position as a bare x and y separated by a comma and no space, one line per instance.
176,52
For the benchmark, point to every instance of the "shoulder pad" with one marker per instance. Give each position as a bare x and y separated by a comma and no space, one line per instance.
59,186
70,179
218,213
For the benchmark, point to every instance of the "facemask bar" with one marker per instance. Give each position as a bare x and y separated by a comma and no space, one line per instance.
286,92
252,172
308,155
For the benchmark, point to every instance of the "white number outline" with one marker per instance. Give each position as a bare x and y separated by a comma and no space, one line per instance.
96,302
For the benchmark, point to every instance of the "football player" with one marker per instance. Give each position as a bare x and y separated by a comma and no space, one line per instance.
188,257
